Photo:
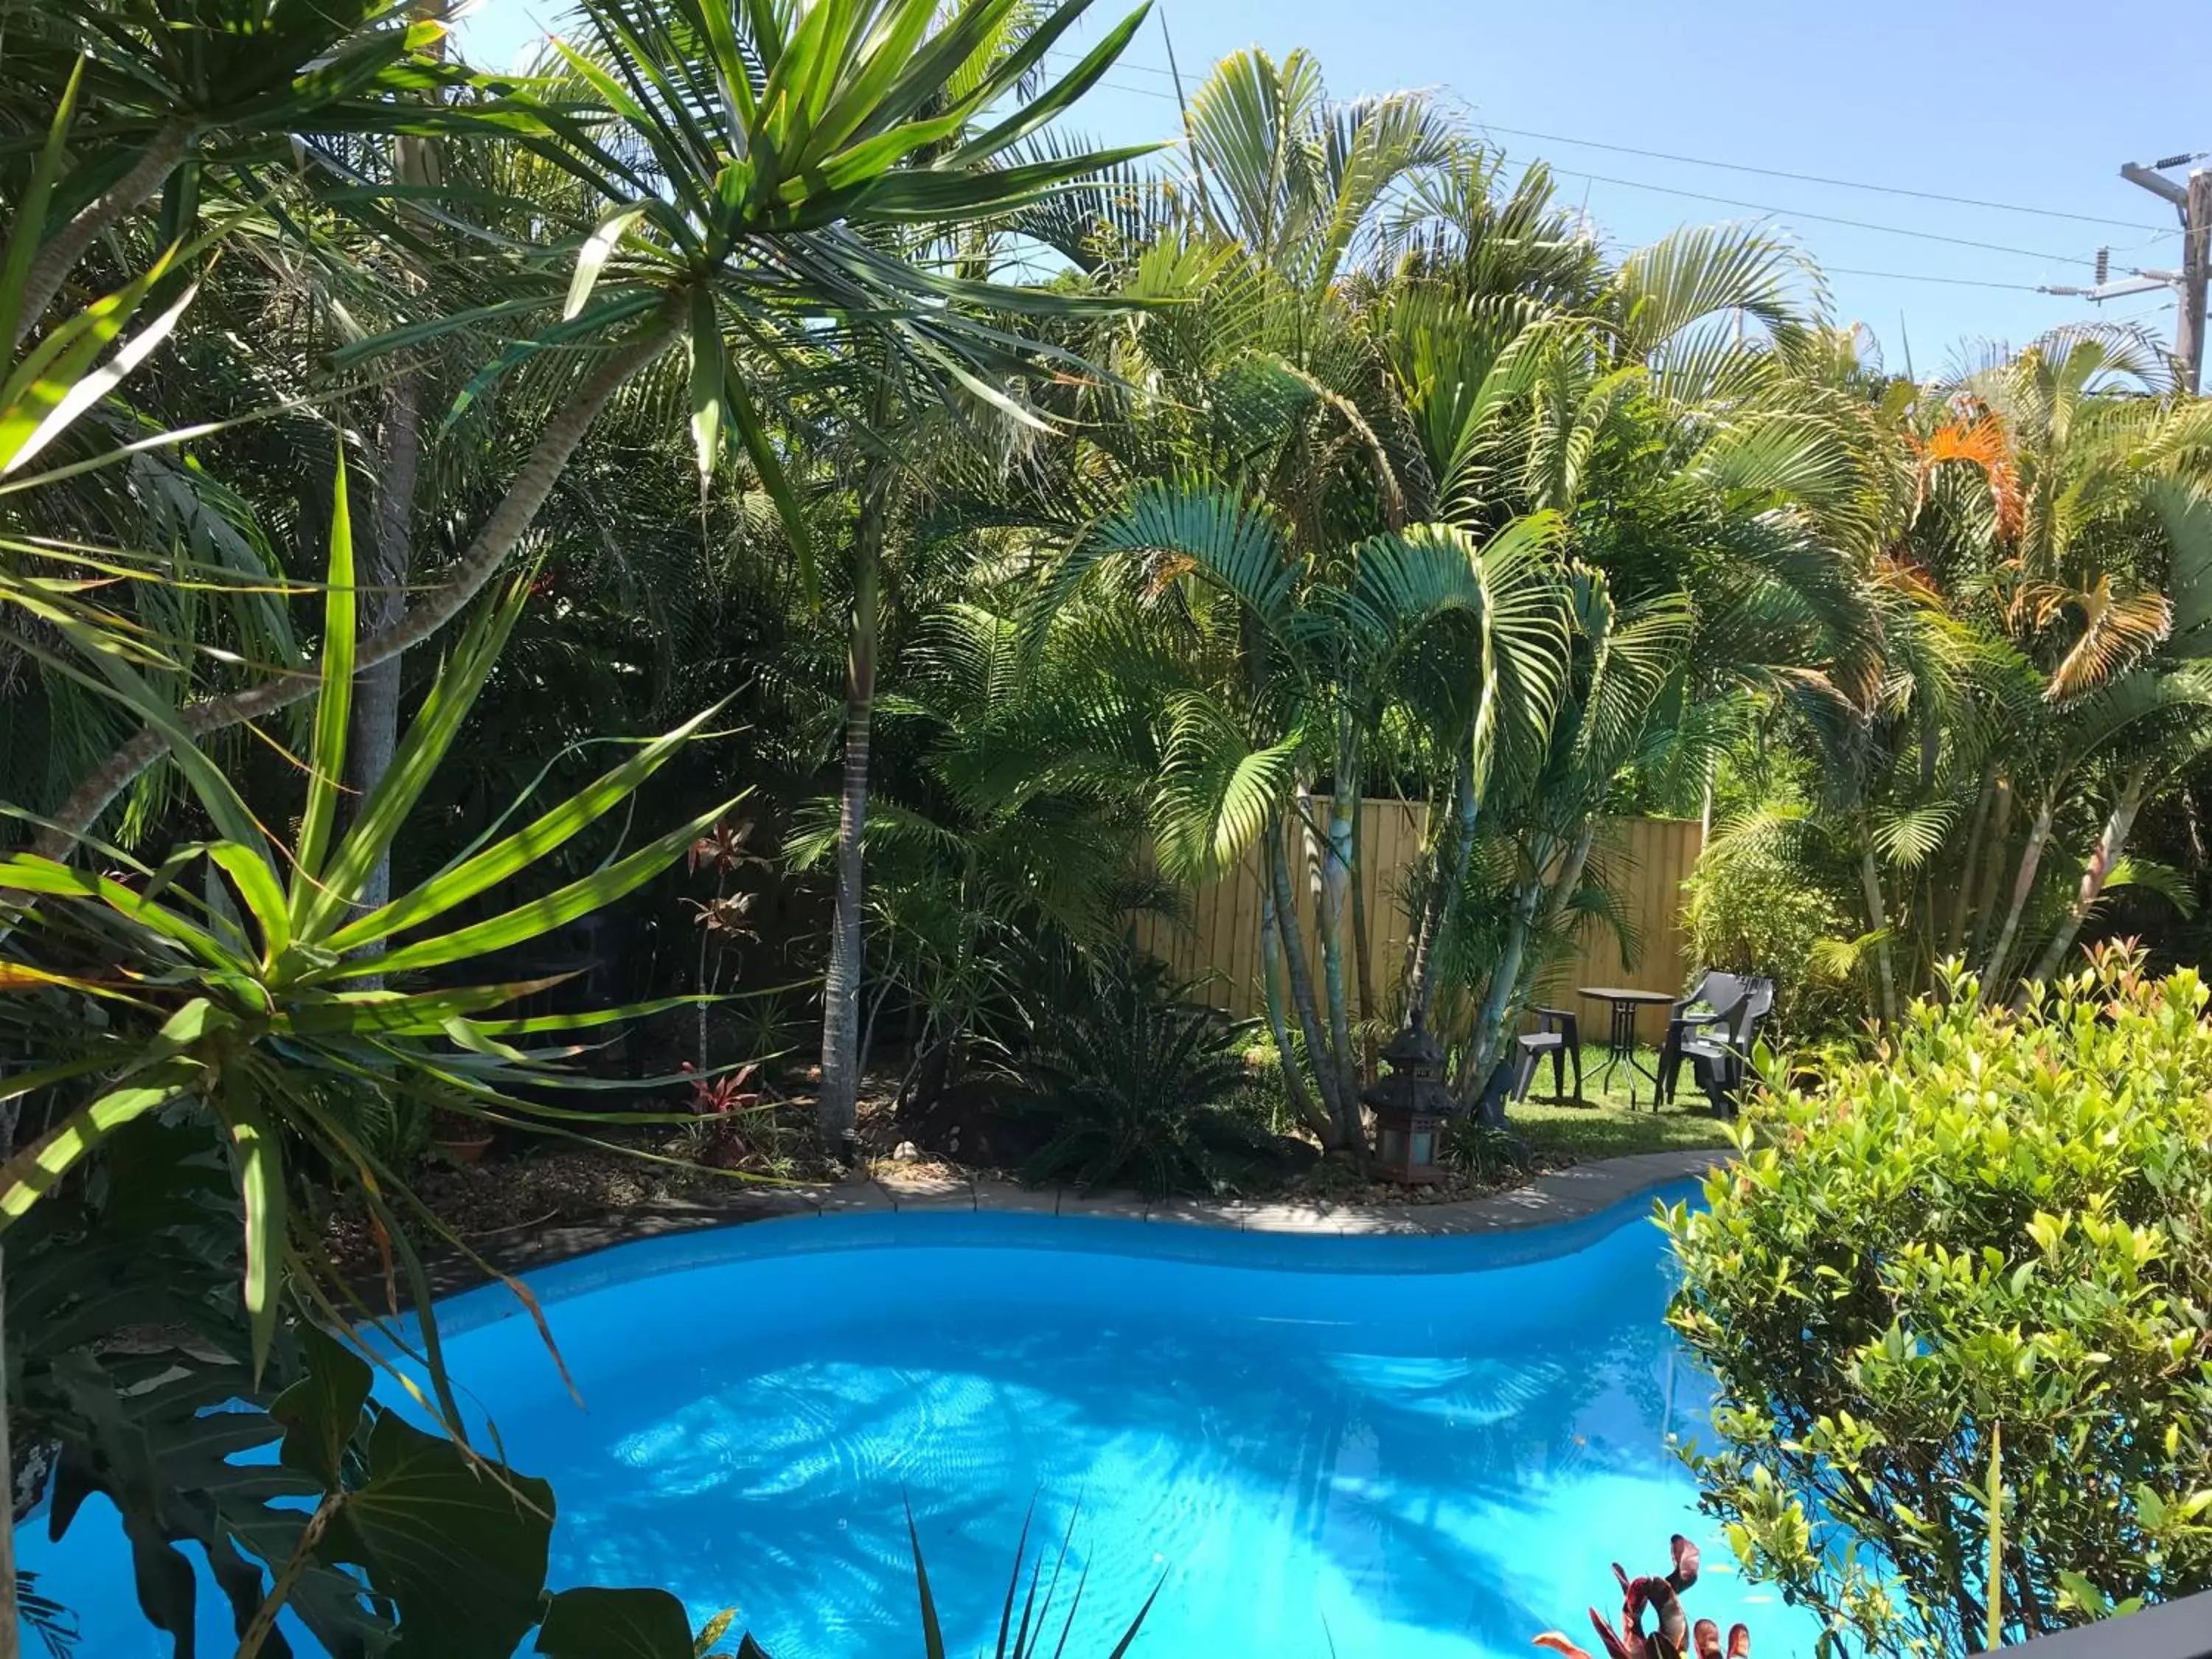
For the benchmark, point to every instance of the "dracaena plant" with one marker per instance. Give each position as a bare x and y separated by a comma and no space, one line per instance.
243,982
739,160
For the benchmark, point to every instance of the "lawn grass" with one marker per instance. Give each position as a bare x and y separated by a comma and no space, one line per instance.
1606,1127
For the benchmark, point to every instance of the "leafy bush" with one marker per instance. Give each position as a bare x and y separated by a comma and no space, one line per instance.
1997,1228
1755,905
1139,1080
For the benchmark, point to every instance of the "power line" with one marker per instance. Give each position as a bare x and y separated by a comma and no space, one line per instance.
1821,179
1733,167
1918,277
1857,224
1832,219
1758,207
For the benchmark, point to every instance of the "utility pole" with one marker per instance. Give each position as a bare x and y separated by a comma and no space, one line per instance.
2197,231
2192,204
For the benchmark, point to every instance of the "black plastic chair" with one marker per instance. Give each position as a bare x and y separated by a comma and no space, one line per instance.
1713,991
1559,1035
1718,1056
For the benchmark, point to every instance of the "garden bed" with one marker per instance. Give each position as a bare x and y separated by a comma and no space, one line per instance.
529,1184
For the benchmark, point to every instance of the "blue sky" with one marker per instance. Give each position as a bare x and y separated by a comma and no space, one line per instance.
2030,104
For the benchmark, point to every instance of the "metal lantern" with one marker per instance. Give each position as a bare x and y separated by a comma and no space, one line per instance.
1410,1107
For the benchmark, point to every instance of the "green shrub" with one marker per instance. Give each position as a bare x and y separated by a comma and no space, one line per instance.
1139,1081
1997,1224
1480,1150
1753,905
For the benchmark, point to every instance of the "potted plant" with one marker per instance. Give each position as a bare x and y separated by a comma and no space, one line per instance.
463,1140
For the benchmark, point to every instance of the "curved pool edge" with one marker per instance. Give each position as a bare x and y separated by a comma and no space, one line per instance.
1558,1214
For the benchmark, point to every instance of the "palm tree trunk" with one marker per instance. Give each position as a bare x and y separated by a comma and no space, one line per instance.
1344,1123
1270,968
50,268
2110,845
2023,886
1962,902
1362,955
1878,923
1569,881
1487,1042
1993,869
1444,895
1333,855
491,548
838,1111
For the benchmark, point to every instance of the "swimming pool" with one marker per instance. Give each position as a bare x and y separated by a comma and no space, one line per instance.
1378,1448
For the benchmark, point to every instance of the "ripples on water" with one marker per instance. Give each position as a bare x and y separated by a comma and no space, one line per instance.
1426,1464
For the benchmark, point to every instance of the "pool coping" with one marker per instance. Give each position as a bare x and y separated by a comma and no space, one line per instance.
1564,1195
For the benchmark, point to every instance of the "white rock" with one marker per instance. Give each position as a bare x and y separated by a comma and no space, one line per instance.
906,1152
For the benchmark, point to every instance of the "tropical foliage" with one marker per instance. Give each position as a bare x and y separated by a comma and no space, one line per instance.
1137,1083
431,501
1992,1228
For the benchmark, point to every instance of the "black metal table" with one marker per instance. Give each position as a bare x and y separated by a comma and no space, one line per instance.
1620,1034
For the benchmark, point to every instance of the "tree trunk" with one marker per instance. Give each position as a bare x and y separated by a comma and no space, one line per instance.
2110,845
1362,957
838,1110
1878,923
492,545
2023,886
1331,850
1485,1042
1962,902
1343,1118
50,267
1993,869
1270,968
375,724
1569,881
1489,1046
1443,896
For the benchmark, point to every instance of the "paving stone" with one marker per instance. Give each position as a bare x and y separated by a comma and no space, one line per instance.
1016,1198
931,1190
1199,1212
1112,1206
854,1197
1293,1218
1391,1220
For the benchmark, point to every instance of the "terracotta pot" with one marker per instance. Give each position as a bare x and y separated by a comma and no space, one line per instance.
463,1149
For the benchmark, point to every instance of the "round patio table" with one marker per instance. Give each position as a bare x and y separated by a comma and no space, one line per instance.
1621,1035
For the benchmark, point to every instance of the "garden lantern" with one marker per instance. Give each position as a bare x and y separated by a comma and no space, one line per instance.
1411,1106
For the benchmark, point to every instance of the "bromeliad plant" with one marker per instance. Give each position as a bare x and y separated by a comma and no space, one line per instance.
273,1004
1661,1594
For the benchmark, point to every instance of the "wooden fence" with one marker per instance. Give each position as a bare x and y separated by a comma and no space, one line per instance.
1643,859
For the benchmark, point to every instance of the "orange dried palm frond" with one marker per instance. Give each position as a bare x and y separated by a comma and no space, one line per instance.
1900,573
1981,443
2118,631
1165,571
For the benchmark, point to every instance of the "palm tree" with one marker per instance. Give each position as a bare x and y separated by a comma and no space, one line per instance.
735,221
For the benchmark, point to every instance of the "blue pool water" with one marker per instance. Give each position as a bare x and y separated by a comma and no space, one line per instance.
1374,1449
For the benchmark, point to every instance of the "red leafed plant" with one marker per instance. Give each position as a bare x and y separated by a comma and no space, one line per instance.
731,1126
1664,1595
